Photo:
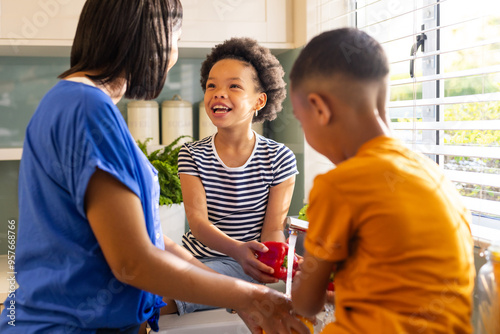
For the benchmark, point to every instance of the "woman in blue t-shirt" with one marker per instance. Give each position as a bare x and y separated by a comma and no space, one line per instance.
91,257
236,185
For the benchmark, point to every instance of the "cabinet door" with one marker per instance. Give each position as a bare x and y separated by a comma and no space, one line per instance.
214,21
39,19
47,27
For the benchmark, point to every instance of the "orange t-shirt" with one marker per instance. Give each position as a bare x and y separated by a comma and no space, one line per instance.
398,229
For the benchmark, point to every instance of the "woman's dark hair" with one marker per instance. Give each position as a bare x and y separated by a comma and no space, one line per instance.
269,71
126,38
347,51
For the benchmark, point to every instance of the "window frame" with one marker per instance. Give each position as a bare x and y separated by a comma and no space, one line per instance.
433,97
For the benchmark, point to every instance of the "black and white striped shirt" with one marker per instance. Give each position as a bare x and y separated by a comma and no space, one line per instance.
236,197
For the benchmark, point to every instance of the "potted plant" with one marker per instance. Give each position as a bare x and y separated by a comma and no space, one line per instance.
172,214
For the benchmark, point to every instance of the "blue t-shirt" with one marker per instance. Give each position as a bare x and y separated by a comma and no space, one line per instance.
236,196
65,284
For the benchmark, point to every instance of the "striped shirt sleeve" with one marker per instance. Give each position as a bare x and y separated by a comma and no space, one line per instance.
285,165
186,164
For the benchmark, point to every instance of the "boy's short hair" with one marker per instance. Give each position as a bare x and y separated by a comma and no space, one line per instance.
127,38
345,51
269,71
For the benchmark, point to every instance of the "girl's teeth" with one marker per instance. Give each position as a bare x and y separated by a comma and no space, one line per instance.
220,110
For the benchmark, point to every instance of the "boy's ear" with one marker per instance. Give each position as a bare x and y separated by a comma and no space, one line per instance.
320,107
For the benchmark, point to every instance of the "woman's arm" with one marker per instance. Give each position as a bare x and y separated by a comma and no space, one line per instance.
309,289
195,203
117,220
278,204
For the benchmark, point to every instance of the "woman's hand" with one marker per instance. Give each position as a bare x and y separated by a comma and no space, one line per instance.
245,252
272,312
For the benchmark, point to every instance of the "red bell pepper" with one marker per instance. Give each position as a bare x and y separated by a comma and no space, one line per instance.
277,258
331,283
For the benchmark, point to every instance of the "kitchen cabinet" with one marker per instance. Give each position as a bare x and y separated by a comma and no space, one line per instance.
47,27
38,27
268,21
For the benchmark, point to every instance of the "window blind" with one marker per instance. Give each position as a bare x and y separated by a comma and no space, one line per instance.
444,84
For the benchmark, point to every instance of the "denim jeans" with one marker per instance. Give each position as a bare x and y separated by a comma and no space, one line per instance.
224,265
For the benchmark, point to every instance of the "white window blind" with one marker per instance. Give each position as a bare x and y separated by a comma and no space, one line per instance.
449,109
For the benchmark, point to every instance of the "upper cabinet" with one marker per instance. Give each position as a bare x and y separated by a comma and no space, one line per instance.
47,27
38,27
212,21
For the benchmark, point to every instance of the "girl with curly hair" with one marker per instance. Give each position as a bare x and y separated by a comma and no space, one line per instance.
237,185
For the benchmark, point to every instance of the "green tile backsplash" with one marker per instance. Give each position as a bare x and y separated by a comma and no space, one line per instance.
23,82
286,129
8,199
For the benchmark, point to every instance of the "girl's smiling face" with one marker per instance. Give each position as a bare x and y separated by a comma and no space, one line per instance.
231,95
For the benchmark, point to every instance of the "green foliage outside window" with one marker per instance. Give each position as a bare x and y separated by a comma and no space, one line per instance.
479,111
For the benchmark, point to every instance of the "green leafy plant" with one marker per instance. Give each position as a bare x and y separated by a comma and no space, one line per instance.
165,162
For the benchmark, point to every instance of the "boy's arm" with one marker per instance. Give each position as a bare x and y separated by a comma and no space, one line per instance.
310,285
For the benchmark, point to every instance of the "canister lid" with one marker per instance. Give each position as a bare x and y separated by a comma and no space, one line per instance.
142,104
176,102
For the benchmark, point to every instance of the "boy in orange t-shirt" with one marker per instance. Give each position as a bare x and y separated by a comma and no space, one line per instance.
385,217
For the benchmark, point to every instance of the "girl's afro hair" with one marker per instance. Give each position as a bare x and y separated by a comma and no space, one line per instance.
269,71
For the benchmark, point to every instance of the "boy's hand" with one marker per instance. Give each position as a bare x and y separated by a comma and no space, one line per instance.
330,297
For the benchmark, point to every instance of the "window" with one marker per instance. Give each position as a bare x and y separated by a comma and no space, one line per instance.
445,84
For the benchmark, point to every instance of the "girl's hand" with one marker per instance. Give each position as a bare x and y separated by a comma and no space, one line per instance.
245,254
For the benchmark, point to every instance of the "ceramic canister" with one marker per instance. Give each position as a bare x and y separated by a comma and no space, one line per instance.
176,120
143,121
